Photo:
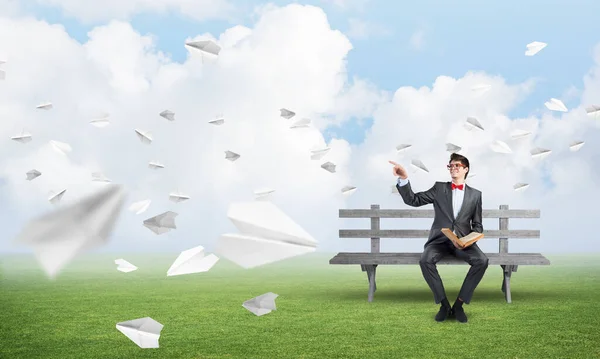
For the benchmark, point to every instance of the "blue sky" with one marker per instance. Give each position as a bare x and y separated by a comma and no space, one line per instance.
459,36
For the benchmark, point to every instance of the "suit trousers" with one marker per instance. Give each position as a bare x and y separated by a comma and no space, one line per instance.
434,252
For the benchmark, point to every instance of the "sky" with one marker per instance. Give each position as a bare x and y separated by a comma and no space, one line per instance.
369,76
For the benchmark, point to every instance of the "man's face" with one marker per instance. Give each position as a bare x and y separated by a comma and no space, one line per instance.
457,170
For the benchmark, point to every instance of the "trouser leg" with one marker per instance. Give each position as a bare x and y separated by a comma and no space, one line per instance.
429,258
479,263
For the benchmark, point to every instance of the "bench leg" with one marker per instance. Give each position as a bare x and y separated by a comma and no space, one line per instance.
370,269
507,271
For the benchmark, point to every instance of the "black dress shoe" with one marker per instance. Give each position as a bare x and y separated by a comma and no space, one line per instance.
459,313
444,313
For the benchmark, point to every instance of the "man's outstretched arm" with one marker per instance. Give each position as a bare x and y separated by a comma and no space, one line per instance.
414,199
476,221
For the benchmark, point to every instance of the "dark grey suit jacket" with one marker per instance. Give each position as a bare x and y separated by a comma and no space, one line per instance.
469,218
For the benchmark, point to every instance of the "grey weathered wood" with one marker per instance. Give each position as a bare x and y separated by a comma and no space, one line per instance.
424,233
507,271
363,267
372,286
375,222
503,226
366,258
428,213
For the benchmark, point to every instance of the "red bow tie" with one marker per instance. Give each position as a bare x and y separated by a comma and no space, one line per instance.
459,186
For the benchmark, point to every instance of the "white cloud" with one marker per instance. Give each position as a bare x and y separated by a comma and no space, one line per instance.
101,11
359,29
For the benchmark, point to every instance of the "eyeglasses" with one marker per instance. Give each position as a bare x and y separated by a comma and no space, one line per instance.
456,165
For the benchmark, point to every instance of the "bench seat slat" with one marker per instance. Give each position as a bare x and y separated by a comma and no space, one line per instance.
428,213
424,233
413,258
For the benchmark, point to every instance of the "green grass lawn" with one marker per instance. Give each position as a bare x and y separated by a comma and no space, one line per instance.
322,311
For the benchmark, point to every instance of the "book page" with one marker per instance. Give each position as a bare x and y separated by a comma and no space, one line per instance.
469,237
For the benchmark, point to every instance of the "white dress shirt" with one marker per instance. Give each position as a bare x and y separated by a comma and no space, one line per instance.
457,196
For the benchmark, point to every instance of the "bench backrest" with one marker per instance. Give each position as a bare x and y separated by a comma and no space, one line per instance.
375,233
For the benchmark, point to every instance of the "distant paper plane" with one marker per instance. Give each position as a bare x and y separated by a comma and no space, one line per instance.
263,193
60,235
144,332
169,115
217,122
145,137
267,235
303,123
450,147
44,106
593,111
55,197
402,147
99,177
540,153
348,190
140,206
124,266
100,122
317,154
481,89
162,223
534,47
192,261
261,305
417,164
24,137
472,123
576,146
287,114
232,156
520,186
205,46
500,147
61,147
178,197
2,72
155,165
329,167
519,134
555,105
33,174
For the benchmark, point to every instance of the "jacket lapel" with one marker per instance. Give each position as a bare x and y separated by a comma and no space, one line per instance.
449,199
466,200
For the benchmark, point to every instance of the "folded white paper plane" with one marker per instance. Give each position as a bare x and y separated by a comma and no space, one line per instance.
140,206
267,235
169,115
33,174
192,261
261,305
162,223
287,114
144,332
535,47
124,266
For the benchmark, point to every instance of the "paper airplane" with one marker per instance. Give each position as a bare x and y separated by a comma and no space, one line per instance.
24,137
205,46
520,186
60,147
287,114
155,165
2,72
162,223
192,261
481,89
55,197
402,147
169,115
576,145
44,106
263,193
144,332
328,166
140,206
217,122
417,164
267,235
317,154
145,137
540,153
303,123
348,190
593,111
124,266
178,197
33,174
100,122
450,147
394,190
99,177
261,305
534,47
555,105
60,235
519,134
472,123
232,156
500,147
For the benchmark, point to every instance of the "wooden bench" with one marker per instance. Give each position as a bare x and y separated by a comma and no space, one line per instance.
370,260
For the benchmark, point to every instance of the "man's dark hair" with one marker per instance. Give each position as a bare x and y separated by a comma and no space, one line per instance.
462,159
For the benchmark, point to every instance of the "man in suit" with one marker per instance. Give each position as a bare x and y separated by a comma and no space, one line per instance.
457,206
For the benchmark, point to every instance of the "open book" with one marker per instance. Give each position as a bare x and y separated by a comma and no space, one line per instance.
462,242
